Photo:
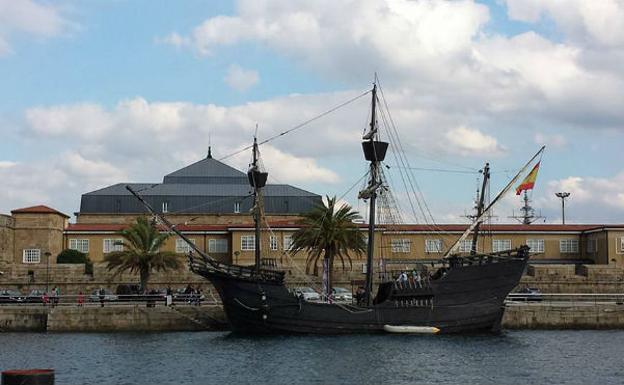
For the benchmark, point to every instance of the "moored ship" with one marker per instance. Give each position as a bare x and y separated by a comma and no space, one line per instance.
463,293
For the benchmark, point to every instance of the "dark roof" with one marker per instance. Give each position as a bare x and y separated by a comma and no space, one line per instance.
40,209
207,167
205,171
218,190
206,186
409,227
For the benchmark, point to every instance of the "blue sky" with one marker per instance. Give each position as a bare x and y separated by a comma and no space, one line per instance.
95,93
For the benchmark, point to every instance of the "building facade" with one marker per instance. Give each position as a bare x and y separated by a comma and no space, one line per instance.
209,202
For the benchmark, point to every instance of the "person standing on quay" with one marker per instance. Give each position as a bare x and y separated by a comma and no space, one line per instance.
80,299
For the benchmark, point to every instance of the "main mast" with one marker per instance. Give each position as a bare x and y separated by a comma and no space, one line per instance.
375,152
257,180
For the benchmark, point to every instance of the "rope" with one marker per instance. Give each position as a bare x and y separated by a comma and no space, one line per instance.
300,125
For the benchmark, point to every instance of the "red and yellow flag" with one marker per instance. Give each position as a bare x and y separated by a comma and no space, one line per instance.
529,181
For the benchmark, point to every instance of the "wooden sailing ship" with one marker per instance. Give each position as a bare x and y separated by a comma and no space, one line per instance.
464,293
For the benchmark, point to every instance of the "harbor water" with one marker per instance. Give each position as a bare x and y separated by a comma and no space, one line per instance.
512,357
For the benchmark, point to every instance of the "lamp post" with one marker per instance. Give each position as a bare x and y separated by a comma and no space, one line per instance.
47,255
563,196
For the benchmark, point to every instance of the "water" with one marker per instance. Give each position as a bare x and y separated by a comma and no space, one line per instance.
514,357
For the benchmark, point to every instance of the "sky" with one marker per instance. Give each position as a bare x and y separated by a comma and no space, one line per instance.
94,93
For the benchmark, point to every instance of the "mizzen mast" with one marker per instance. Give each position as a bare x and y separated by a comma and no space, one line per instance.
480,207
374,152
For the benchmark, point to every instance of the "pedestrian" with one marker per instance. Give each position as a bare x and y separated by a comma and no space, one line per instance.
80,299
45,298
57,294
53,296
102,294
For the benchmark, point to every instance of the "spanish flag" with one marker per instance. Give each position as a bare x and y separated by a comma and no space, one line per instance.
529,181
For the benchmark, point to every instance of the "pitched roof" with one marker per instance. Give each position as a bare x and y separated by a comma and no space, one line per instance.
203,189
207,167
40,209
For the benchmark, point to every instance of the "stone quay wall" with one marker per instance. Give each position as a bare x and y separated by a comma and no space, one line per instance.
127,318
139,317
564,316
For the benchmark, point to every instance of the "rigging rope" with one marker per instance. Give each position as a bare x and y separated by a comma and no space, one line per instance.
300,125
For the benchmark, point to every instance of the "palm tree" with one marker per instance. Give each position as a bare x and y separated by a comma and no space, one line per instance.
330,232
141,252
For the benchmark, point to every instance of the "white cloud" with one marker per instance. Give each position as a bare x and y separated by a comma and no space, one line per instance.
439,53
241,79
584,21
554,140
57,181
7,164
592,199
29,17
469,141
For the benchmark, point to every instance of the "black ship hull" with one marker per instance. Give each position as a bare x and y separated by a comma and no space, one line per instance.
466,298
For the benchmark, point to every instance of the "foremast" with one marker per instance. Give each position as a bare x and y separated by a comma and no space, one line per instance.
374,152
257,180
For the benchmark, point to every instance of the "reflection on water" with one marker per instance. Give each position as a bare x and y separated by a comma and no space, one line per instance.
513,357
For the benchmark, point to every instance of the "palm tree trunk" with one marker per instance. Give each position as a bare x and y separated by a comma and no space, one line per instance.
143,278
329,262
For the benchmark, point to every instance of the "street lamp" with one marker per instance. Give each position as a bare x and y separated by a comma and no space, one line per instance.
47,255
563,196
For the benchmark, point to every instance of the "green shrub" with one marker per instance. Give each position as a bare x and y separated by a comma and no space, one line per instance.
71,256
75,256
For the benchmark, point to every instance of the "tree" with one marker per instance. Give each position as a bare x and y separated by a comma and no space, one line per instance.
141,252
329,231
75,256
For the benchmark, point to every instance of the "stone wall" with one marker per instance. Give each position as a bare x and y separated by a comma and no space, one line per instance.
130,318
564,316
189,318
38,231
23,318
7,232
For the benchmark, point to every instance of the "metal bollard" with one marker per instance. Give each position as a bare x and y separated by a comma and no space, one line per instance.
28,377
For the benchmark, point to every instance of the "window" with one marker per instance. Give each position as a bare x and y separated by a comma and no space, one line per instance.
288,242
568,246
536,245
248,242
622,244
165,207
81,245
110,246
465,246
182,246
31,256
217,245
433,245
501,245
592,246
273,242
237,207
400,245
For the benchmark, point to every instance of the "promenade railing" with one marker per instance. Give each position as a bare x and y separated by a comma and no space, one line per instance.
569,299
204,299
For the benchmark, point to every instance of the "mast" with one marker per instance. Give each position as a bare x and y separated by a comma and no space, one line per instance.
489,207
375,152
475,235
257,180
